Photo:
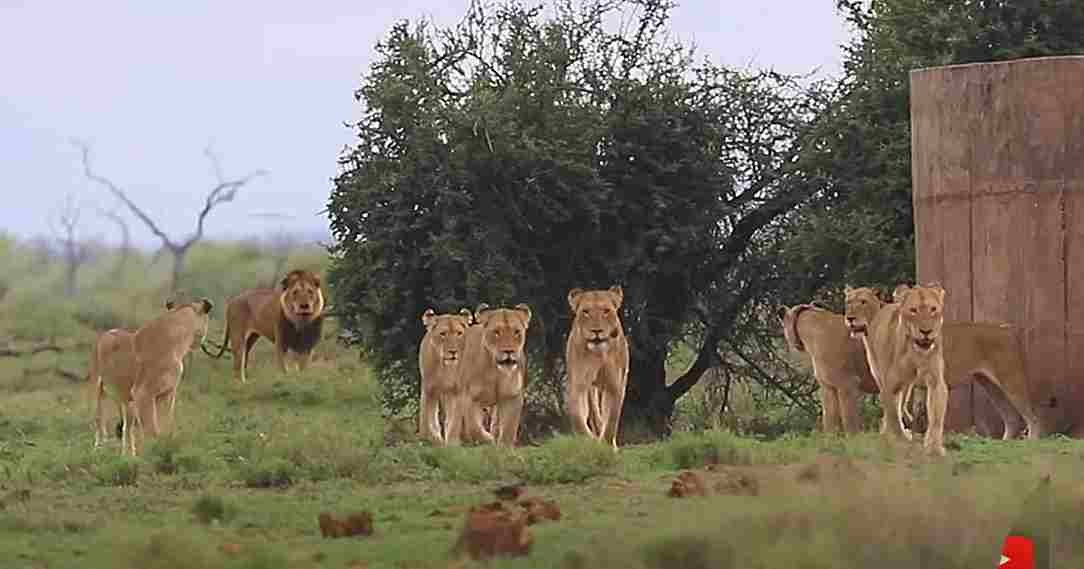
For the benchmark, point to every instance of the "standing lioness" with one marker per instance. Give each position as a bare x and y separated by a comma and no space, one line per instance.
292,318
597,356
494,373
903,343
439,355
160,347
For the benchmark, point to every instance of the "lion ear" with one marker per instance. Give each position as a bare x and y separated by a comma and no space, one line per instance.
207,305
169,305
316,280
478,311
285,282
847,289
526,310
619,295
429,317
572,294
900,291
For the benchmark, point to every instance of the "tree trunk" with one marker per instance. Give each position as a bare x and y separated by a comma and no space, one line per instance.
71,274
648,405
178,268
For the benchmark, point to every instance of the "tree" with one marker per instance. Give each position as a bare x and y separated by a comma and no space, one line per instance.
74,251
859,229
125,239
515,157
224,191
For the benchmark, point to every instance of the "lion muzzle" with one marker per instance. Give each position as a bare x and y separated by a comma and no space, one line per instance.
507,360
451,357
925,343
855,329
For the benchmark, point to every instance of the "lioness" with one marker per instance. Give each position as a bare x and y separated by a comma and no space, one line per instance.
439,355
160,347
494,374
990,353
903,344
839,363
112,365
292,318
597,356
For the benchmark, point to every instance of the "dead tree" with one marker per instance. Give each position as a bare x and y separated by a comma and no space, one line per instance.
224,191
279,245
125,239
74,252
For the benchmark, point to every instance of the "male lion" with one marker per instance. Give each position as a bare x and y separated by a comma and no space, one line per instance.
292,318
439,356
990,353
839,363
597,356
160,347
493,374
903,343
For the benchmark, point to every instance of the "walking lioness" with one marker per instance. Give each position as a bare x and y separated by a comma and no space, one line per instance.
160,347
292,318
839,363
494,374
990,353
597,356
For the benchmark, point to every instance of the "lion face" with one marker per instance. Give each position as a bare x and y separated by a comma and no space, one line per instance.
922,310
595,316
504,334
202,309
302,298
448,332
862,303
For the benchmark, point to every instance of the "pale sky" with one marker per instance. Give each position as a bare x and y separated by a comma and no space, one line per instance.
267,84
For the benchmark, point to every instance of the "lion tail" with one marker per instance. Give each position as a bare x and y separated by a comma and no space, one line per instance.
789,318
222,347
94,377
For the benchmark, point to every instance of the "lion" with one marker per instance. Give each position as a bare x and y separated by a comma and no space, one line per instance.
494,374
904,345
291,318
597,356
839,363
439,355
991,353
112,364
160,347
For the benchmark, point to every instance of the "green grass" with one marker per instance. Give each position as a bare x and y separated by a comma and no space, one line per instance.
250,467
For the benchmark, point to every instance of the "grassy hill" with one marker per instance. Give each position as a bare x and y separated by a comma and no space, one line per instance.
241,477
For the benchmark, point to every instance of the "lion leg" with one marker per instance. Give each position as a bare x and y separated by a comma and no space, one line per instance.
936,408
428,427
508,412
451,404
578,405
830,419
848,410
1014,423
303,360
475,423
595,414
614,402
280,354
890,396
100,431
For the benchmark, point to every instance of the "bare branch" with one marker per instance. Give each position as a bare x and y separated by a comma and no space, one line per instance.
120,195
224,192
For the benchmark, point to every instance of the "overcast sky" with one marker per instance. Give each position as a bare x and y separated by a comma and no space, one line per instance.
267,84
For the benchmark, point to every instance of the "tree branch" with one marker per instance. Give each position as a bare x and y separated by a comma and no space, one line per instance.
224,192
120,195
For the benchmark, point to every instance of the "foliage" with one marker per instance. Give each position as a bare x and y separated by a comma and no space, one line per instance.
860,229
518,156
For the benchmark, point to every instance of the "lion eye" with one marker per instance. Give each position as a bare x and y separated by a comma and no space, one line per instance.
606,311
443,334
586,312
914,310
459,333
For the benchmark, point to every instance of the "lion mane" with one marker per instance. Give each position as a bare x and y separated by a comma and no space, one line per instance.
291,318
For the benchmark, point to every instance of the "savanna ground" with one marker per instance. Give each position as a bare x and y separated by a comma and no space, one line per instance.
240,480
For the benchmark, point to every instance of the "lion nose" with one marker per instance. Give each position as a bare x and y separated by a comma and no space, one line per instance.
452,352
926,332
850,319
304,306
597,331
508,352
